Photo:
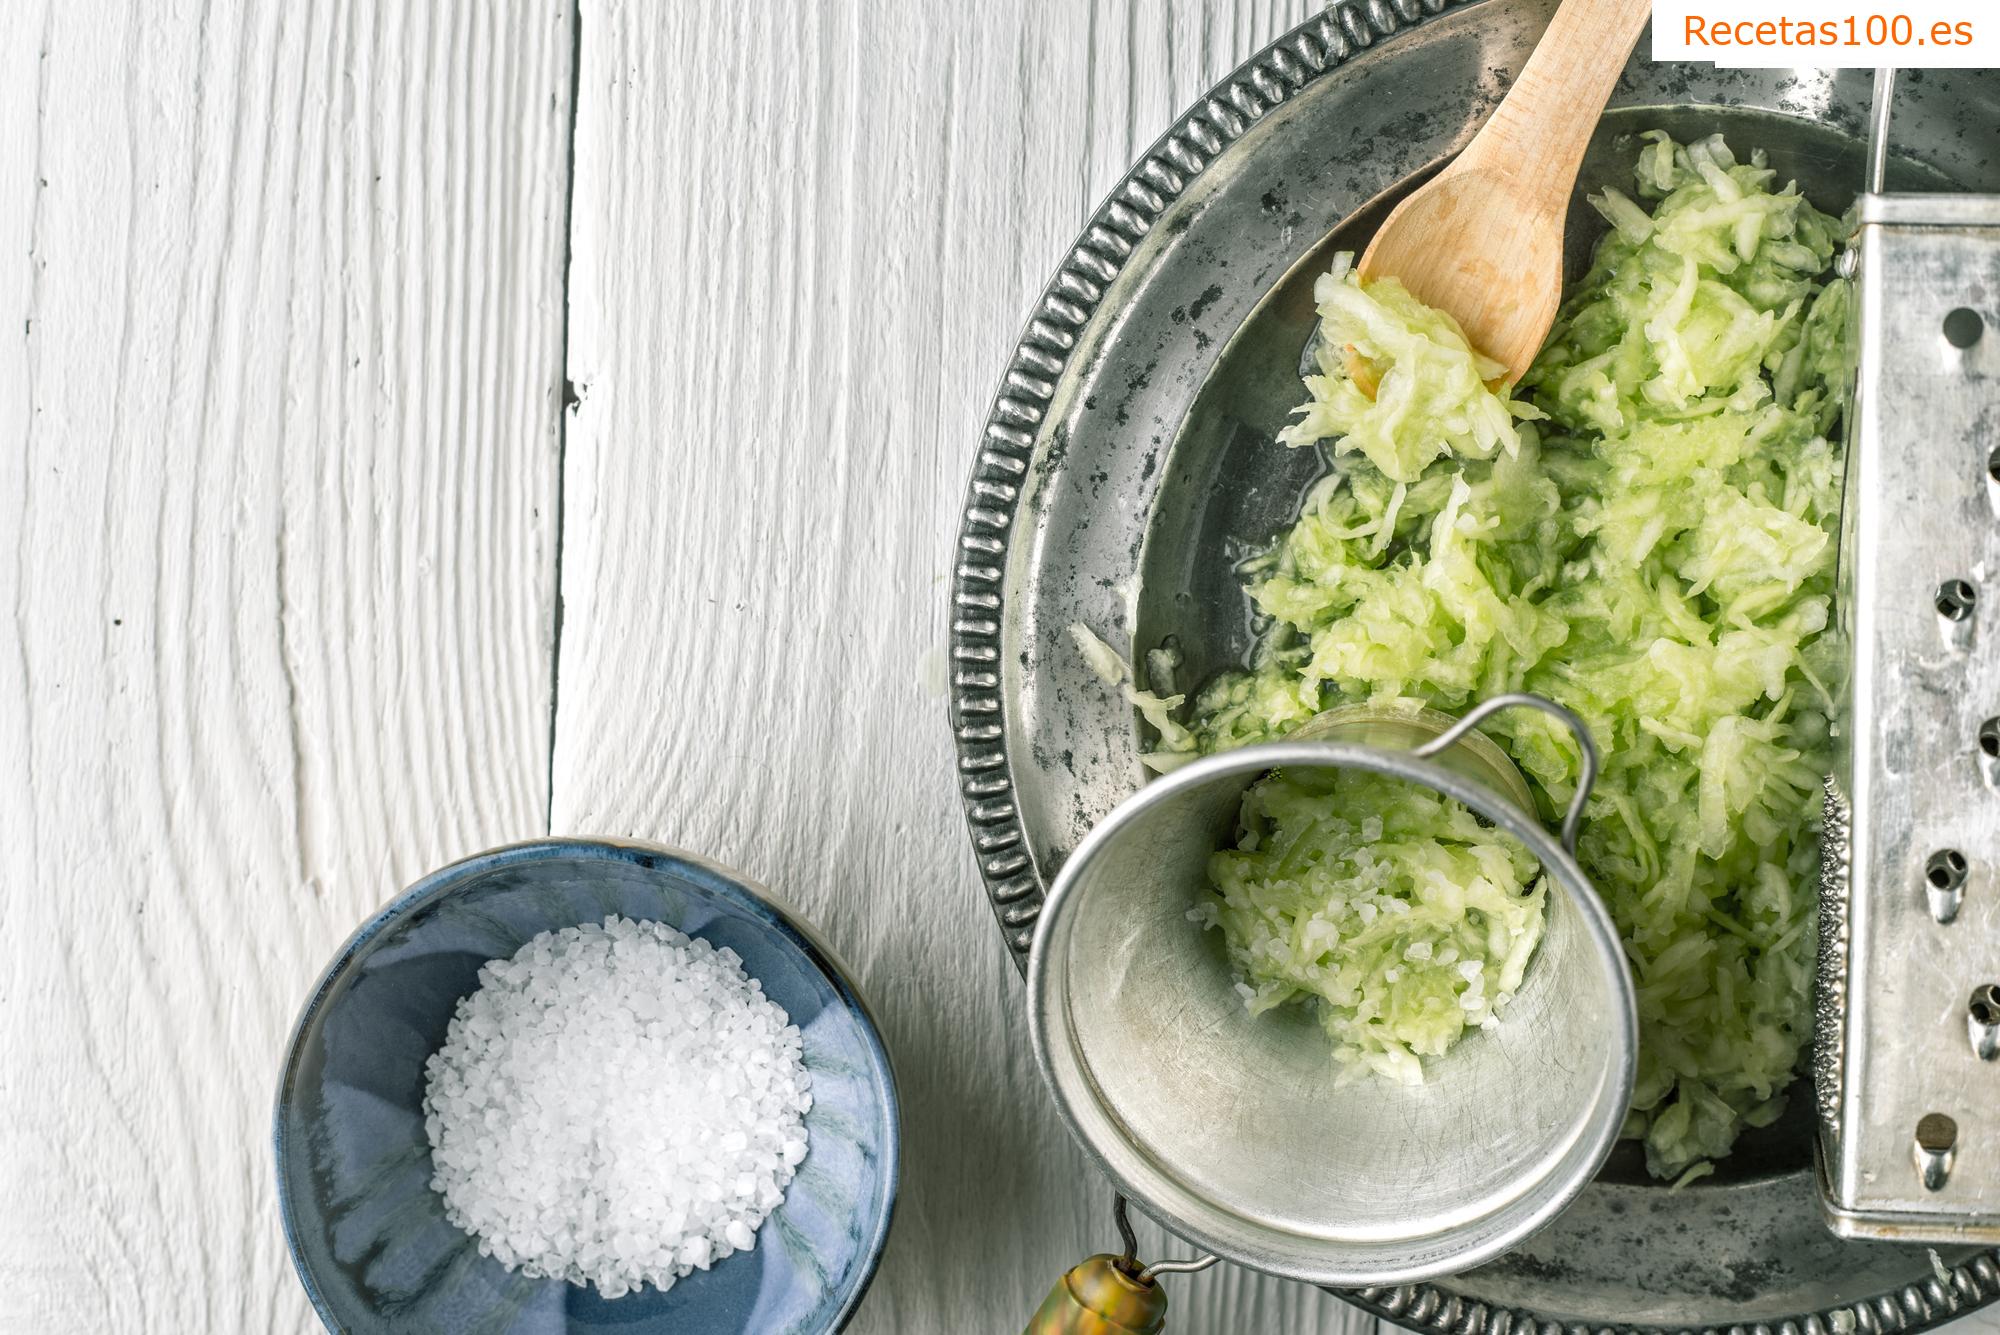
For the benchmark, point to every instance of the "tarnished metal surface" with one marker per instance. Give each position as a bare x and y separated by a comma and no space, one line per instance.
1143,400
1238,1132
1912,1142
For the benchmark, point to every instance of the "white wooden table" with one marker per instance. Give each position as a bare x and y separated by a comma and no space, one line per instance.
429,425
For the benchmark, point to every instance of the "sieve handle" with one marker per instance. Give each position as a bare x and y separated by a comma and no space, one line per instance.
1572,819
1100,1295
1111,1293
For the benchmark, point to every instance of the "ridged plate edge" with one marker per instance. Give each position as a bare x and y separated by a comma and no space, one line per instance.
1910,1309
1268,80
1013,887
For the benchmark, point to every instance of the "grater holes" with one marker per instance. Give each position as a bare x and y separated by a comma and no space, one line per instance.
1982,1021
1937,1132
1936,1143
1963,327
1946,869
1993,465
1985,1004
1989,739
1944,883
1955,599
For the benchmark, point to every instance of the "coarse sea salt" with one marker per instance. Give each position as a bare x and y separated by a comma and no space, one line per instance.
616,1105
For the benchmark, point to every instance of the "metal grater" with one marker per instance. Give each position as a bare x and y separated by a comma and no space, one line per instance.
1907,1054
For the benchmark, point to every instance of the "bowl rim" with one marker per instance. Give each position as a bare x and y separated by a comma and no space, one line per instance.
1092,1123
748,893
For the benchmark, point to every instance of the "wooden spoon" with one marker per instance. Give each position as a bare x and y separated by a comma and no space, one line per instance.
1483,240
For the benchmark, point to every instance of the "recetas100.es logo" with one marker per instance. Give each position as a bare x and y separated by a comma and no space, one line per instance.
1777,33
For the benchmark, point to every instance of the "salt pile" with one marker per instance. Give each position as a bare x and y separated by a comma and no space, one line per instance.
616,1105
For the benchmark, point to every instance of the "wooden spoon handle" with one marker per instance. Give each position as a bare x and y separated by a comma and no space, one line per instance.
1539,135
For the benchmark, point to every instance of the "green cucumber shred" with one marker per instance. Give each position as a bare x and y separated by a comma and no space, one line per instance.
1642,530
1387,904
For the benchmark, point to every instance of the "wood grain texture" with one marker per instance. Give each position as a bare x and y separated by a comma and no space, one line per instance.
1483,239
281,356
279,382
805,238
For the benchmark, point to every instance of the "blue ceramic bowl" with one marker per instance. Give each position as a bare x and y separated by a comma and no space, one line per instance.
368,1234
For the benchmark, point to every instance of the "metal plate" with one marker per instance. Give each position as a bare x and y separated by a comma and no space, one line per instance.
1128,458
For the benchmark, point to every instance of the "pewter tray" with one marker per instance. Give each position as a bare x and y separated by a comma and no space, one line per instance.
1128,457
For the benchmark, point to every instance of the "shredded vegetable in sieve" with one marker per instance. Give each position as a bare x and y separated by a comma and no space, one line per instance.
1656,553
1386,902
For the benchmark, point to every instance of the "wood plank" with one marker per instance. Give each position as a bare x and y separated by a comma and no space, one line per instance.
280,383
805,238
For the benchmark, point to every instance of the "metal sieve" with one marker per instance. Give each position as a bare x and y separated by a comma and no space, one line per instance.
1236,1132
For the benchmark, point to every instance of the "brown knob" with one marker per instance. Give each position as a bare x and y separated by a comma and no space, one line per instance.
1100,1298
